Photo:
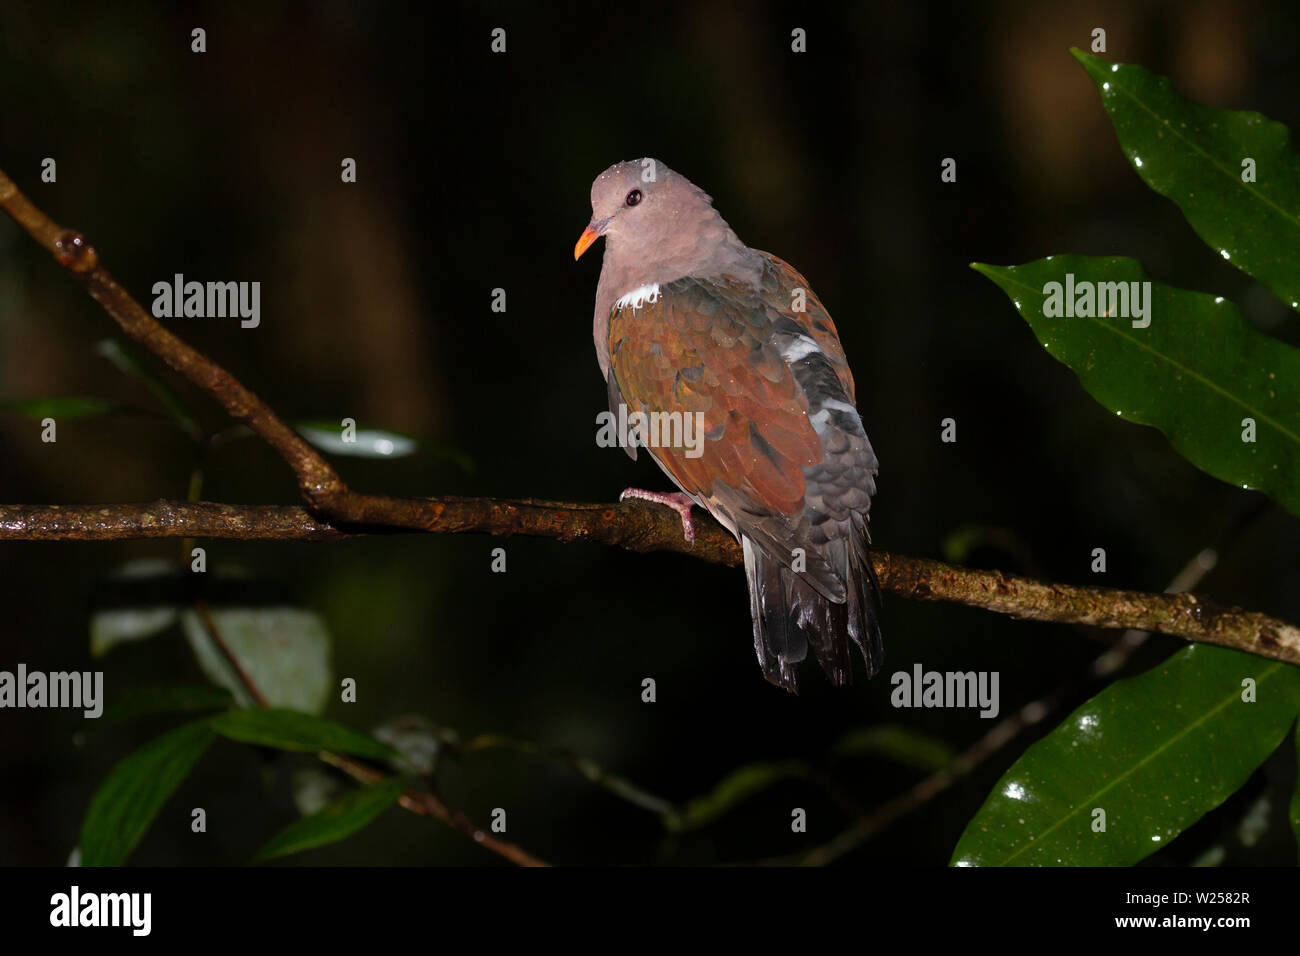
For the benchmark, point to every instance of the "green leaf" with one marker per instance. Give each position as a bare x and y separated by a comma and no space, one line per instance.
1197,372
1154,752
128,800
168,699
71,406
128,364
365,443
121,625
897,743
291,730
377,443
335,820
733,789
285,651
1193,155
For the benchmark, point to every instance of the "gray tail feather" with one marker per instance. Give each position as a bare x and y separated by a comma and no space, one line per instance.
773,597
790,615
862,612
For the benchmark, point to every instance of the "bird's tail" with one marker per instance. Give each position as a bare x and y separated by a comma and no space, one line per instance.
790,615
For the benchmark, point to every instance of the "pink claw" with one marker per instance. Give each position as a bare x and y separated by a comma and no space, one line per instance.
678,501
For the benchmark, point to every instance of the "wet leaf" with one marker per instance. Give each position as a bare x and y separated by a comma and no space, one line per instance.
1146,758
1198,372
1194,155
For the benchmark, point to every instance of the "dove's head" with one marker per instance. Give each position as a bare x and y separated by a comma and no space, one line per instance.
647,212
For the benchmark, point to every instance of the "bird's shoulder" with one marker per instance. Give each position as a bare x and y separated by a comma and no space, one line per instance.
707,348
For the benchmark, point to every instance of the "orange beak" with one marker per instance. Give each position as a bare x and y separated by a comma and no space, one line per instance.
589,235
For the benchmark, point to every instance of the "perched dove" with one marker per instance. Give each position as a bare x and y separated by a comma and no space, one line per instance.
691,320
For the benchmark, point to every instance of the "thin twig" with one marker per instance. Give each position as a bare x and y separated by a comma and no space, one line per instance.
210,625
619,786
428,804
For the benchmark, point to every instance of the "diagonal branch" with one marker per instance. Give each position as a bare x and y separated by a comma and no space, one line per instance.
316,478
416,801
336,511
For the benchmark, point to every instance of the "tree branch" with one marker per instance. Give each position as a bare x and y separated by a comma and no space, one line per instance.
336,511
645,527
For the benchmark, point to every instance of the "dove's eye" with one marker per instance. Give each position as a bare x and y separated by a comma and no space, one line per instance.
633,197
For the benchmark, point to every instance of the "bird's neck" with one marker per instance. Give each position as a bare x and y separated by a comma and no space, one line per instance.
702,249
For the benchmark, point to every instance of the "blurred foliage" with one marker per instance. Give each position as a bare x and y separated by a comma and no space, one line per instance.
127,802
376,307
335,821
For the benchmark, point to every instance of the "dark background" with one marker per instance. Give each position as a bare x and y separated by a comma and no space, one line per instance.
474,171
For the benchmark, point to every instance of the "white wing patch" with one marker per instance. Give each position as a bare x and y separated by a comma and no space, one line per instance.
836,405
801,347
638,296
821,418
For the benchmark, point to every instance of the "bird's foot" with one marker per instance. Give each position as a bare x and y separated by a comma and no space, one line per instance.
678,501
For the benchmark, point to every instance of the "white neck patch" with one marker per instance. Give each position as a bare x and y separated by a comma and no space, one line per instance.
638,296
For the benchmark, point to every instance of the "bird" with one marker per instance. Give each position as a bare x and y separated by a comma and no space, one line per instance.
690,320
